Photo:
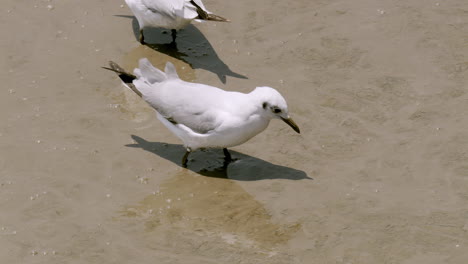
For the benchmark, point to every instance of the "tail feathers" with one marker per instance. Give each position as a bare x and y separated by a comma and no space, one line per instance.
171,71
149,72
214,17
144,76
204,15
126,77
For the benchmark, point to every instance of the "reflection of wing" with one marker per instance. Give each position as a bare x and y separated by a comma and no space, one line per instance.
188,104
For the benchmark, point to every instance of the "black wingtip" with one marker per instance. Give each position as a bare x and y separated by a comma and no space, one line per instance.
126,77
213,17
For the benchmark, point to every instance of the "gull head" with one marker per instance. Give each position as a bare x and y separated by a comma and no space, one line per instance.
273,105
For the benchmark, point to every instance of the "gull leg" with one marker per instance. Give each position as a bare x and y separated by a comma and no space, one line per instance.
185,158
142,37
174,35
227,155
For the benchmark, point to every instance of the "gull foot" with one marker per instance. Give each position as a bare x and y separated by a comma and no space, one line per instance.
174,35
185,158
142,37
227,155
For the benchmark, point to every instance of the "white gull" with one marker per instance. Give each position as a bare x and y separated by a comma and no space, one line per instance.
170,14
204,116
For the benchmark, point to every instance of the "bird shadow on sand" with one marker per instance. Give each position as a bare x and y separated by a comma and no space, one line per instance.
210,163
191,46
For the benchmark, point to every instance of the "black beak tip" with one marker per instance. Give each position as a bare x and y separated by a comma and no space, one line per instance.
292,124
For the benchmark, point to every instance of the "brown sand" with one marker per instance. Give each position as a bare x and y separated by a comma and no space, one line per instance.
379,174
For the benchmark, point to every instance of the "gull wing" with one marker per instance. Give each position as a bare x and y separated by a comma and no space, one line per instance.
198,122
172,8
196,106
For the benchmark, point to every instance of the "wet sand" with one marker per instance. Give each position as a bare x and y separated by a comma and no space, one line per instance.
378,175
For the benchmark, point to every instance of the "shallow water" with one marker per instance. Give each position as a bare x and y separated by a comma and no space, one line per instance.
378,175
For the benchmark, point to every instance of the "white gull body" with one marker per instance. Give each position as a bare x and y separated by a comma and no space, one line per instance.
204,116
170,14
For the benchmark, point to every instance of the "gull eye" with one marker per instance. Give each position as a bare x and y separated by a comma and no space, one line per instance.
277,110
264,105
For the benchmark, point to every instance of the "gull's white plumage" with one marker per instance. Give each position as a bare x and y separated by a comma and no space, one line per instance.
204,116
169,14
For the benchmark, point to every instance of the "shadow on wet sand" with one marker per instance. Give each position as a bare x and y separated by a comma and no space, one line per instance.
211,163
191,46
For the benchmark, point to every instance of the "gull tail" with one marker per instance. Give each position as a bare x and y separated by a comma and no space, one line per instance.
144,76
152,74
203,15
214,17
126,77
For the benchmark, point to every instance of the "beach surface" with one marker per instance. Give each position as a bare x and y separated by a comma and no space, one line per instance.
379,173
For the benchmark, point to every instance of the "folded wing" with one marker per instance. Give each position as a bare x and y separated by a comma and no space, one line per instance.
196,106
172,8
182,105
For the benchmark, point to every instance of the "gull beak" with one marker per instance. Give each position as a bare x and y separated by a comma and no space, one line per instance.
291,123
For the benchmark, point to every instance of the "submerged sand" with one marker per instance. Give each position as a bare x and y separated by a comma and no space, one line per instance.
378,175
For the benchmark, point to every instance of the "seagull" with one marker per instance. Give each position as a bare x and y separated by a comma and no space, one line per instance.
204,116
170,14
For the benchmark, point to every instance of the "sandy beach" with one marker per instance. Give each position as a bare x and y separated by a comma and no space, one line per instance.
379,173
